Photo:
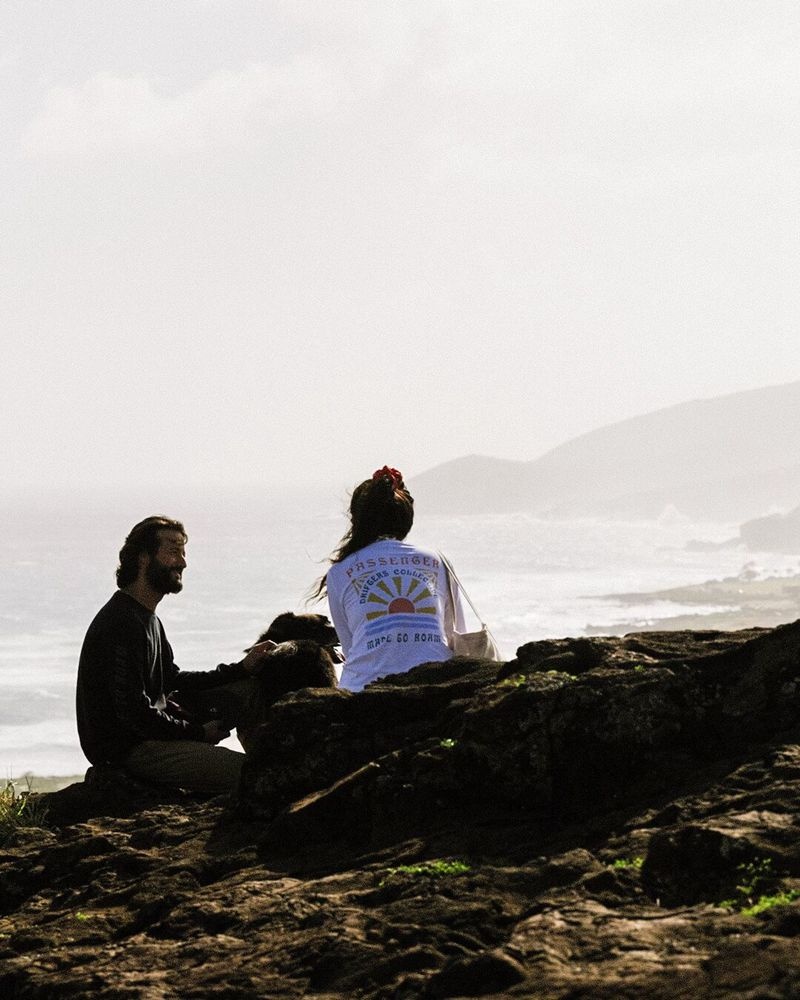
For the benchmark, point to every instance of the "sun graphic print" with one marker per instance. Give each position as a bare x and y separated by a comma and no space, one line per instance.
401,595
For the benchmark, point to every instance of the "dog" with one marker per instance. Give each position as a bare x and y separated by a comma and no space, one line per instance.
304,657
288,626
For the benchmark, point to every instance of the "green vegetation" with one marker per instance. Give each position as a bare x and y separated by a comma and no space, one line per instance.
751,899
636,862
640,668
753,876
767,902
18,810
447,744
430,869
515,680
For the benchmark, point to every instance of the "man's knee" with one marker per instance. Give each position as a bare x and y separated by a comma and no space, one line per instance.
186,764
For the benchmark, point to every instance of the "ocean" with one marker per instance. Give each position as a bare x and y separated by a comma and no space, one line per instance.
247,562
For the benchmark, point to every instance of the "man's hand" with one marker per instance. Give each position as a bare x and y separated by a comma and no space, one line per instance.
254,660
214,733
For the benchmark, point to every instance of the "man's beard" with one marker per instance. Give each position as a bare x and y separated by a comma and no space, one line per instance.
163,578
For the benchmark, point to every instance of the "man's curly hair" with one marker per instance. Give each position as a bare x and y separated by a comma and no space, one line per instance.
143,538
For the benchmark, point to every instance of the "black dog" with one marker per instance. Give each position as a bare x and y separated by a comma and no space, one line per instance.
290,626
304,656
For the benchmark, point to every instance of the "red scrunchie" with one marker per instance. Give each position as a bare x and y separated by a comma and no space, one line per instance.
393,474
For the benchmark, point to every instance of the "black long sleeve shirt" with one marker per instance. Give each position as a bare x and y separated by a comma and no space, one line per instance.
125,673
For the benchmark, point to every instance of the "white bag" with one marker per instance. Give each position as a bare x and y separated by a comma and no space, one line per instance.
478,645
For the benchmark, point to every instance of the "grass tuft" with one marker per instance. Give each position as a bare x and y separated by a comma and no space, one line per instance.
19,810
515,680
751,899
767,902
427,869
636,862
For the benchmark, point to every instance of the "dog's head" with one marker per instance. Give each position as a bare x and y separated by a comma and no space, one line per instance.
290,627
295,664
304,656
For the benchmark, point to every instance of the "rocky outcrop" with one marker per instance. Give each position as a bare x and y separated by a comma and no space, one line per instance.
566,825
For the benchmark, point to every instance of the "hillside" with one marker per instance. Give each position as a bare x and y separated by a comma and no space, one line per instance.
729,458
774,533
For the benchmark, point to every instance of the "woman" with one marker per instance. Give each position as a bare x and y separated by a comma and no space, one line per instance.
389,600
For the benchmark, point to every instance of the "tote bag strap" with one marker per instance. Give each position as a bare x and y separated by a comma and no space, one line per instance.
453,578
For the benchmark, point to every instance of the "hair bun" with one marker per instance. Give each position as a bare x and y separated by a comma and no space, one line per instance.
394,476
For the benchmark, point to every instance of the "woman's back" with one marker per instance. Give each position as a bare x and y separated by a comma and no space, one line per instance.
390,604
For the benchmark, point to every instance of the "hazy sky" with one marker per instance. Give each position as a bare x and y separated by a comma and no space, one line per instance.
253,241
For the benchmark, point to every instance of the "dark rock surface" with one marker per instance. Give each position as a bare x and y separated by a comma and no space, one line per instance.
601,797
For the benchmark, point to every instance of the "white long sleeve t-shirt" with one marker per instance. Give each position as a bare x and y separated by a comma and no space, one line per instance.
391,606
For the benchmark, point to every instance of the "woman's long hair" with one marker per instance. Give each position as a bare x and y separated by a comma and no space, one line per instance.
380,507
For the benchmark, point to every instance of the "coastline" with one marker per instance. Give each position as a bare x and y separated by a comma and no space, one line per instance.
529,581
43,782
739,602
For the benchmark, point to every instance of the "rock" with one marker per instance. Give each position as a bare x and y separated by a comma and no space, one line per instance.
558,746
108,791
695,863
563,826
489,972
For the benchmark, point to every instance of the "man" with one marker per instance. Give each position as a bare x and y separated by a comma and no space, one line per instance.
132,699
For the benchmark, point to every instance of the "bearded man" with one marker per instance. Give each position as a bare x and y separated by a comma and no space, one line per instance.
135,708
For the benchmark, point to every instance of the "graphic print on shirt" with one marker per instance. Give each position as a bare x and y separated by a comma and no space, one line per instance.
400,605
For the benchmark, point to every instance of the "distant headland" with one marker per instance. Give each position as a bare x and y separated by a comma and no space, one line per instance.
730,458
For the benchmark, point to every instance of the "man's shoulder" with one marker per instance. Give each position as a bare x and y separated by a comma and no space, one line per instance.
119,611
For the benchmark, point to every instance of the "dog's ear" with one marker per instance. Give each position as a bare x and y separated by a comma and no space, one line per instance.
324,633
322,672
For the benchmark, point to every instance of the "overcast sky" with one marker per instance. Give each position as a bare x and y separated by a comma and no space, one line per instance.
245,242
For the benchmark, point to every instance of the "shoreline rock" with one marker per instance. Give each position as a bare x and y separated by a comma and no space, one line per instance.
602,797
739,602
